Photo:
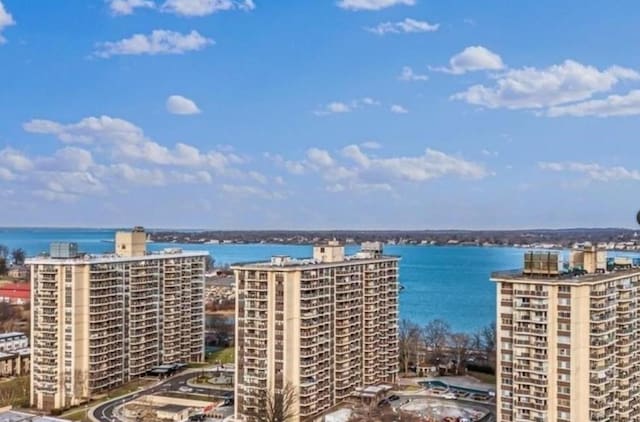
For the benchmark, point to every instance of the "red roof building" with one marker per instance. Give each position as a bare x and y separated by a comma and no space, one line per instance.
15,293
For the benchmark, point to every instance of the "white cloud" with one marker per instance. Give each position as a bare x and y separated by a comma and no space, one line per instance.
15,160
337,107
319,157
5,20
613,105
160,41
407,25
372,4
205,7
472,59
127,141
489,153
258,177
126,7
177,104
398,109
594,171
371,145
540,88
6,174
251,191
364,172
408,74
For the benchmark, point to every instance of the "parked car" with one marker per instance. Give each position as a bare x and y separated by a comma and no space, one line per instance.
393,397
449,396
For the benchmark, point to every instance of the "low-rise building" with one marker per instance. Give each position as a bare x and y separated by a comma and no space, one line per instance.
15,293
13,364
11,342
19,271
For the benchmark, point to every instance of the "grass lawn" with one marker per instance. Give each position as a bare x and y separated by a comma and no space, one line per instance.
486,378
226,355
15,392
80,413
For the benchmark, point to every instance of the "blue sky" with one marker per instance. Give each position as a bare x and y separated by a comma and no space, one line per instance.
240,114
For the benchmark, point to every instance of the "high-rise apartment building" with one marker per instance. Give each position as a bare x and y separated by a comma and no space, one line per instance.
567,339
98,321
323,326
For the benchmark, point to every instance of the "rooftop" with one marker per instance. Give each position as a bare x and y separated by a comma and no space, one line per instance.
283,261
566,277
12,335
113,258
13,416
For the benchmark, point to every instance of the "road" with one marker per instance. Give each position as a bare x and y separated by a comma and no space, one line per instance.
105,411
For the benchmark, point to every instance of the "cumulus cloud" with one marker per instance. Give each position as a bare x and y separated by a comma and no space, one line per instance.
613,105
127,141
319,157
251,191
177,104
593,171
531,88
355,169
407,25
127,7
5,20
472,59
372,4
398,109
408,74
205,7
160,41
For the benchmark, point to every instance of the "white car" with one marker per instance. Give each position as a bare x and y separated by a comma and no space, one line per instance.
185,389
449,396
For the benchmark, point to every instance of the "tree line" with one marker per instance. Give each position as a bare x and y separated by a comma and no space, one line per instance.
436,344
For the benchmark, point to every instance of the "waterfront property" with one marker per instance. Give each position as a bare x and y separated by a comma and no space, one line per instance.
98,321
568,339
324,326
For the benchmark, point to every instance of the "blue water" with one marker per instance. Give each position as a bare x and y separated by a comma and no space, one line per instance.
448,282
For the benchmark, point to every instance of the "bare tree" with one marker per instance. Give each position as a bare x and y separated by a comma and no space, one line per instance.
489,338
434,337
277,406
460,344
408,336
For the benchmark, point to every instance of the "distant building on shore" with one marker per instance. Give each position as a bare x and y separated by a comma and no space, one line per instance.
323,326
568,339
98,321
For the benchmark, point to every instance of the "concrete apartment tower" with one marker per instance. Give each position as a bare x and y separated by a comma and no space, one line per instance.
323,326
98,321
568,340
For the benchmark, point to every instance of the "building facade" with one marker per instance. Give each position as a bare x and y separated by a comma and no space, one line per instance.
322,326
567,340
98,321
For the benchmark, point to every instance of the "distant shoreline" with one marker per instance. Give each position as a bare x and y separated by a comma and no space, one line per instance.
610,239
